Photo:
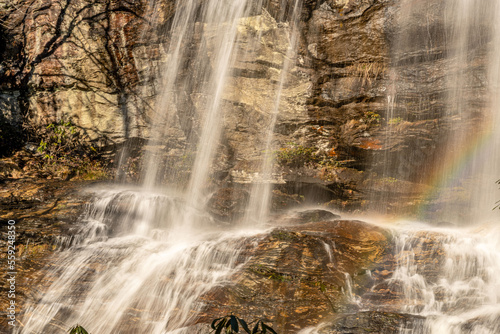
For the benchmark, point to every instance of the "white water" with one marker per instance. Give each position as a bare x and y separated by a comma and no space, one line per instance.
473,146
261,192
450,277
144,257
212,26
131,272
464,296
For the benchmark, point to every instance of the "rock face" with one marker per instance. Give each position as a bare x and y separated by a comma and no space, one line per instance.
45,214
82,60
299,275
368,86
338,276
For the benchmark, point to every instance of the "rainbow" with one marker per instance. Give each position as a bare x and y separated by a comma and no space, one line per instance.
457,165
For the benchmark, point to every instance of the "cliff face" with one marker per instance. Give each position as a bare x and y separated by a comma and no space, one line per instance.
369,84
79,60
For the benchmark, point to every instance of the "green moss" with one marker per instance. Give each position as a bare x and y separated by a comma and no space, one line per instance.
262,270
395,121
372,118
283,235
295,155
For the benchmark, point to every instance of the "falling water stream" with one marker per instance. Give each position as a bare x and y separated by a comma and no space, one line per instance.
132,271
460,292
450,276
145,255
260,195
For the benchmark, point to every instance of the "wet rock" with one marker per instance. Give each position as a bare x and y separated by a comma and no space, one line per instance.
372,322
44,213
310,216
425,250
298,276
228,204
282,201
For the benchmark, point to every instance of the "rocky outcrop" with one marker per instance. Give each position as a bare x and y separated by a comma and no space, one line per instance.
336,277
45,215
297,276
367,94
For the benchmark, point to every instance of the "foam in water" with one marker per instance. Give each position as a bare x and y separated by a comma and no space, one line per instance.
460,292
145,256
131,271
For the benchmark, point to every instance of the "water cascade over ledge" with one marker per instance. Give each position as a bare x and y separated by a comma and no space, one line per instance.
146,256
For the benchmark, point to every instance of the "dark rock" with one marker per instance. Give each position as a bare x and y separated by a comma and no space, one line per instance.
310,216
228,204
296,275
282,201
372,322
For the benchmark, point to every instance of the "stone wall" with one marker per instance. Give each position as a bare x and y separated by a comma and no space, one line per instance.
368,86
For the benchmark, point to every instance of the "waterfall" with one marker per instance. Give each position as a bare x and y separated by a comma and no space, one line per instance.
472,159
452,281
213,27
440,133
130,272
260,195
146,254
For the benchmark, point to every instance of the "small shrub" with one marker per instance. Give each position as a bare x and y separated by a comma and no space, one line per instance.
395,121
295,156
231,324
63,140
78,330
66,150
372,118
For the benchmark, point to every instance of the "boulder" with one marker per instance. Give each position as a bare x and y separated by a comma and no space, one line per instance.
298,276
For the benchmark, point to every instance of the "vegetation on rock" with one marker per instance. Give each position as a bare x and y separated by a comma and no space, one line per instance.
78,330
229,325
65,151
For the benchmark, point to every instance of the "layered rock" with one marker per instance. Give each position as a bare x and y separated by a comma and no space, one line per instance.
298,276
45,215
369,86
83,61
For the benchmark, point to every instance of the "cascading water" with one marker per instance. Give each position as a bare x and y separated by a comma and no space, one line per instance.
472,158
260,195
458,290
145,255
131,272
450,276
446,278
455,157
